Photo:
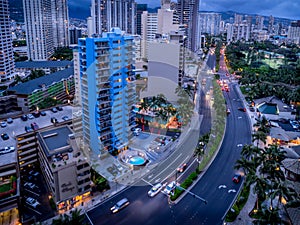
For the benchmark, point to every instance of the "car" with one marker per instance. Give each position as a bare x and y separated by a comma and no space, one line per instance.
119,205
170,187
65,118
28,129
30,116
53,120
34,126
34,173
3,124
182,168
4,136
54,110
24,118
9,120
7,150
236,178
30,185
155,190
242,109
59,108
43,113
32,202
252,109
228,111
36,114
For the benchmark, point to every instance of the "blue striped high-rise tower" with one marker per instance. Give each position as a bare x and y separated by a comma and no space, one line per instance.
107,90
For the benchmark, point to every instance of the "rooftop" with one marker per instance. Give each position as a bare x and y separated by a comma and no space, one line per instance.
55,140
292,165
43,64
36,84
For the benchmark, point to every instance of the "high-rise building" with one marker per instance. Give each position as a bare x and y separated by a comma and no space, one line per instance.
140,9
107,90
209,23
74,35
259,22
238,18
271,24
294,32
149,29
107,14
237,32
39,29
187,11
60,22
6,50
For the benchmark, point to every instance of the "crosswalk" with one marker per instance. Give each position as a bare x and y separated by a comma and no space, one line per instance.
152,156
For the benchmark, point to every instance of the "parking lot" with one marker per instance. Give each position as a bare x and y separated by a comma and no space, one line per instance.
17,127
34,194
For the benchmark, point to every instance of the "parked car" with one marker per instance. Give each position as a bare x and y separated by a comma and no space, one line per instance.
9,120
170,187
32,202
3,124
236,178
36,114
28,129
155,190
59,108
43,113
7,150
24,118
30,185
54,110
4,136
182,168
65,118
119,205
54,120
34,126
30,116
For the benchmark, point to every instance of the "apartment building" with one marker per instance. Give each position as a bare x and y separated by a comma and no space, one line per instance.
107,90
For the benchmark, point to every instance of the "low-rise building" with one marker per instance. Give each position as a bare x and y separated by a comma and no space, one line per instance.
59,85
47,66
9,188
66,170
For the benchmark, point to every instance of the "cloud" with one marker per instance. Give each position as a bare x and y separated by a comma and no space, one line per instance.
278,8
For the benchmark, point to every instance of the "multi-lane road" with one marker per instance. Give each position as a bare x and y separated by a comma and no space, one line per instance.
215,186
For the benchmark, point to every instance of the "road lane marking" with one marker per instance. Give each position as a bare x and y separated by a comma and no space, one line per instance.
231,190
147,182
222,186
240,117
166,167
240,145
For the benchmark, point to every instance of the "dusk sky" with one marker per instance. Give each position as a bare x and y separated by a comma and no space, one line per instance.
278,8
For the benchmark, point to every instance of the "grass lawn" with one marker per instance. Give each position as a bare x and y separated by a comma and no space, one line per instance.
274,63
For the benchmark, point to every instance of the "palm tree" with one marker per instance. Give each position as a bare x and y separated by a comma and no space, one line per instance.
249,151
248,165
268,216
74,219
259,136
263,125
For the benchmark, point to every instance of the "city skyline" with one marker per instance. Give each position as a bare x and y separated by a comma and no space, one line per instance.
278,8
